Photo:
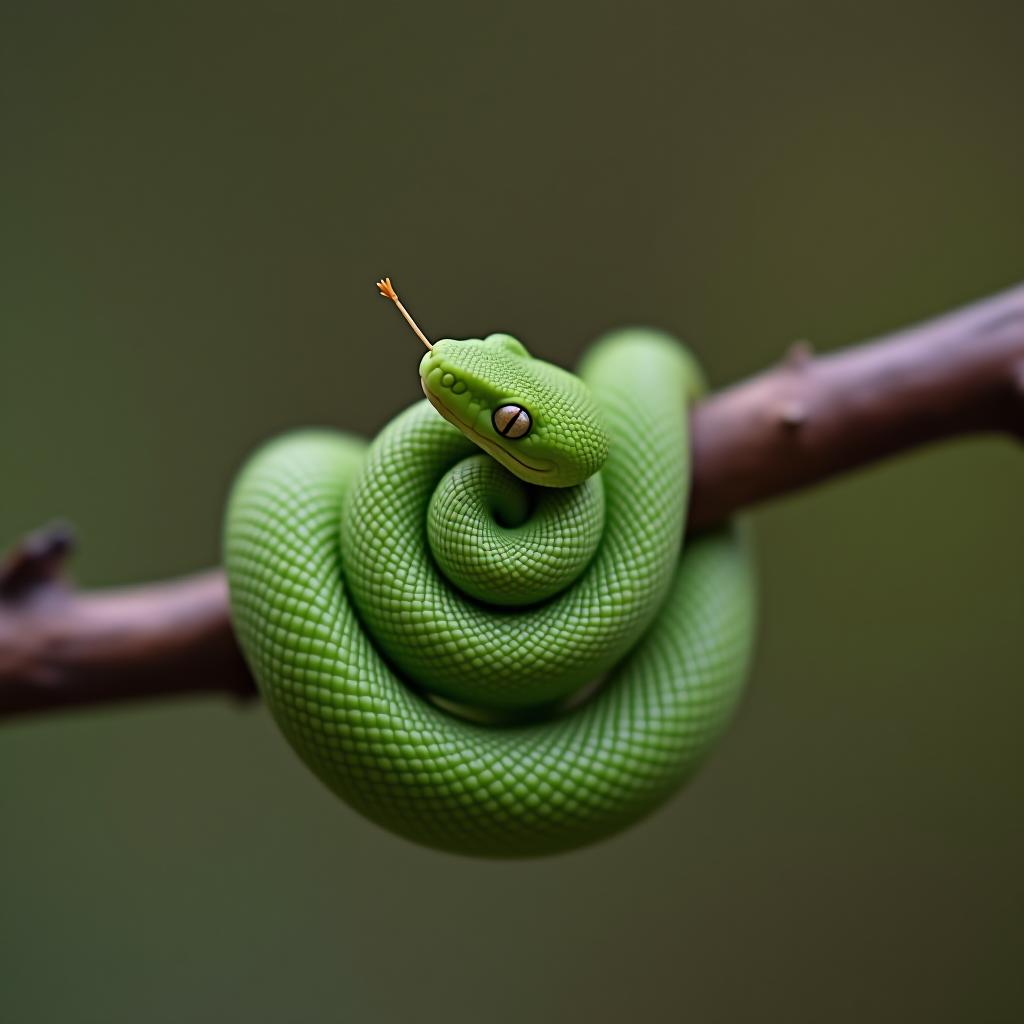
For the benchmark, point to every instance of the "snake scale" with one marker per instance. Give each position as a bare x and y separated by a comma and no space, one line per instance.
481,629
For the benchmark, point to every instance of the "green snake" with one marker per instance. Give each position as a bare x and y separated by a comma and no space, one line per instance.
481,630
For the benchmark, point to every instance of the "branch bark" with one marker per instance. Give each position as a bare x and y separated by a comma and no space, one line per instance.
812,418
798,424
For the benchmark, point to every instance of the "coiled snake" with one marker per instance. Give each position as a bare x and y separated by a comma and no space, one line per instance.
501,652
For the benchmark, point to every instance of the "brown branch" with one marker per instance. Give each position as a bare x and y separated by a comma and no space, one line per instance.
809,419
798,424
62,649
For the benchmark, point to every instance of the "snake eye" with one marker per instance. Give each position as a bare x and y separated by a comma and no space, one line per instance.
512,421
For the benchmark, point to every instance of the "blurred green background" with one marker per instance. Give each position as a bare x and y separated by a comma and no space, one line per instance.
195,201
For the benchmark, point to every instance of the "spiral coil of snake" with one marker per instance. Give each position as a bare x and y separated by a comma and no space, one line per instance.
482,629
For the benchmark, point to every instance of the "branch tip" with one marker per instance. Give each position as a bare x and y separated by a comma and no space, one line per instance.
36,561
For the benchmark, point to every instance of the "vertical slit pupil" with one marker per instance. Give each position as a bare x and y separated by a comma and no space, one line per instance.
511,423
516,421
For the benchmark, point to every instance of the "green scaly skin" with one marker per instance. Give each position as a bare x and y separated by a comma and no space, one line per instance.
501,654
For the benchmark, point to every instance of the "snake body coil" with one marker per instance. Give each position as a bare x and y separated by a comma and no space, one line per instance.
502,653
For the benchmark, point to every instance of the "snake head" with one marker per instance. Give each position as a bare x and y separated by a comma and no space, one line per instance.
538,420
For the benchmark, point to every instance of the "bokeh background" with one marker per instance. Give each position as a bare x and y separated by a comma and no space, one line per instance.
195,201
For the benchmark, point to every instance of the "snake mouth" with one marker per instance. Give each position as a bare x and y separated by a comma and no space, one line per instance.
491,447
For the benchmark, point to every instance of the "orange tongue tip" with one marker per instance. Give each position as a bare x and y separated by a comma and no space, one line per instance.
385,287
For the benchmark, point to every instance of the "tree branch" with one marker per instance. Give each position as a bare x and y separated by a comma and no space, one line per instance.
61,649
798,424
809,419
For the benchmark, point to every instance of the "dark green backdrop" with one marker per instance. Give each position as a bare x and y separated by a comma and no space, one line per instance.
194,204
